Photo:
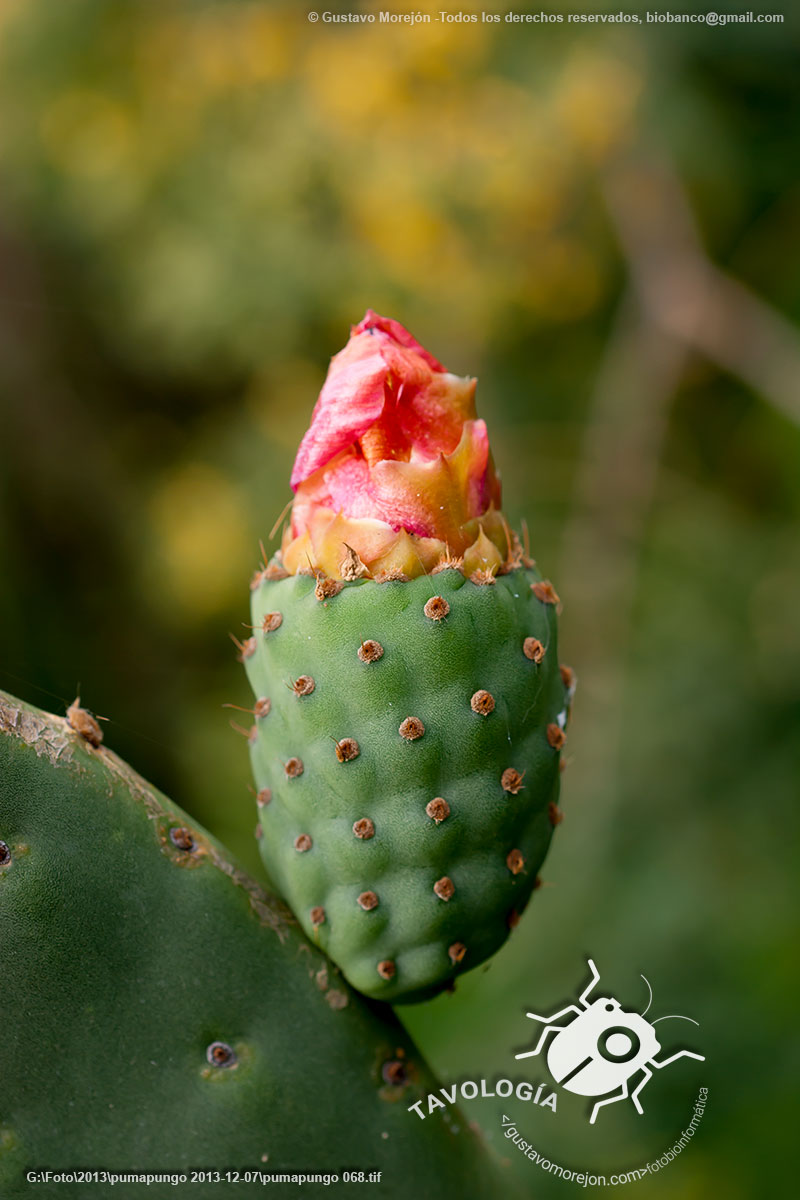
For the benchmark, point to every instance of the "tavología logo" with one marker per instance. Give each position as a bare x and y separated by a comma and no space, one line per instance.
471,1089
599,1051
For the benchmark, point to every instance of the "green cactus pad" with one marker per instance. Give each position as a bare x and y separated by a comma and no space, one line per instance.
160,1012
406,747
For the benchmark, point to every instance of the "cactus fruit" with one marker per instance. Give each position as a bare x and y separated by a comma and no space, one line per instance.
160,1013
410,710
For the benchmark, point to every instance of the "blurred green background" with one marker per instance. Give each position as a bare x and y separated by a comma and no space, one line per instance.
602,223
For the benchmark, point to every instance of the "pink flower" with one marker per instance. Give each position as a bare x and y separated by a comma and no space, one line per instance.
394,439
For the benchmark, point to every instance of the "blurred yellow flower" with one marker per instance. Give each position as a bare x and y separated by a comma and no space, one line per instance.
86,133
595,101
201,546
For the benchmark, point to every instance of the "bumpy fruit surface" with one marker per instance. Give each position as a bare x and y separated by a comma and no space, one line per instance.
406,767
410,709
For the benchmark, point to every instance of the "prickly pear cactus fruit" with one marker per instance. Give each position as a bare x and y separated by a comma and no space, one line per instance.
410,710
160,1013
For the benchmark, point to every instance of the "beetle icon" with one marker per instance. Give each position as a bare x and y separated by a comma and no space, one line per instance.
603,1047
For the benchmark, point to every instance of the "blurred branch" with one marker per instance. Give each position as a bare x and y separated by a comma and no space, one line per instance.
690,298
613,492
678,302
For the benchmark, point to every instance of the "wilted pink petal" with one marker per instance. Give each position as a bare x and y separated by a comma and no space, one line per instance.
398,334
351,400
393,440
